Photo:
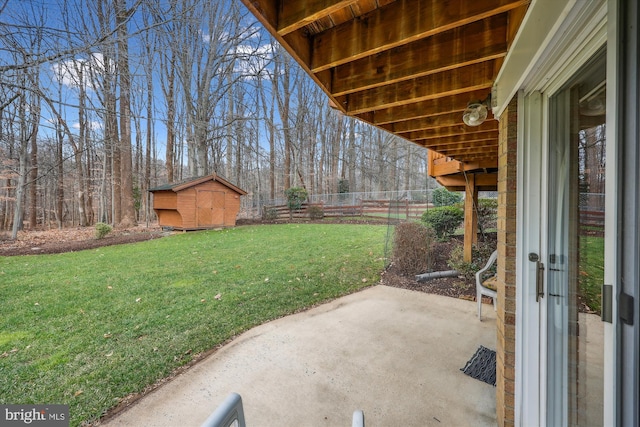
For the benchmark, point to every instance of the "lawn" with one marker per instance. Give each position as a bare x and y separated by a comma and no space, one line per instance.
592,271
87,329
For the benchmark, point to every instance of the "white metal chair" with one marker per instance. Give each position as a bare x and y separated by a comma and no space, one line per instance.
358,418
481,284
230,413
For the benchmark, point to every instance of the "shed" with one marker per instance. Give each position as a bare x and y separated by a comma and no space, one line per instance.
199,203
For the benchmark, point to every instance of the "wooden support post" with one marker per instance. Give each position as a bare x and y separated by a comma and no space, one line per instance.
470,217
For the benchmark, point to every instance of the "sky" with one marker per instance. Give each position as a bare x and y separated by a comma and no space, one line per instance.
60,79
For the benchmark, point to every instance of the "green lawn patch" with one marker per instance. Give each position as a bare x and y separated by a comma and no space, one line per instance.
88,328
592,271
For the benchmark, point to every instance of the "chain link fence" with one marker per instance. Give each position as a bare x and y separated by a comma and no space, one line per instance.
253,207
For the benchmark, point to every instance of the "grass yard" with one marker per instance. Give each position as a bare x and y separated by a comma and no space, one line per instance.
88,328
592,271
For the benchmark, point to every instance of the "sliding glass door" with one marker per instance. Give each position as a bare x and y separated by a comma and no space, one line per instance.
575,260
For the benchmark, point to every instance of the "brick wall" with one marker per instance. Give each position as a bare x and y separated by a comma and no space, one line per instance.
506,323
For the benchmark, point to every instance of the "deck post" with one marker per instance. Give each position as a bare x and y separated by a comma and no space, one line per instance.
470,217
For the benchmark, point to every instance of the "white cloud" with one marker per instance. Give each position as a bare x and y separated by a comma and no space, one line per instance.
253,61
67,72
93,125
206,38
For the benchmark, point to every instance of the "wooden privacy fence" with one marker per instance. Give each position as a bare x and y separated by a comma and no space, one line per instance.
396,209
592,222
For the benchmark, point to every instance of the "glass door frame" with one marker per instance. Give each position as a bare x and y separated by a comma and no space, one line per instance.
570,377
591,33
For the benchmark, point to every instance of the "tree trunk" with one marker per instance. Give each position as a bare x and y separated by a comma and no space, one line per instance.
88,177
126,195
351,155
33,173
171,119
78,150
19,204
22,171
268,110
147,160
59,176
230,121
335,156
282,84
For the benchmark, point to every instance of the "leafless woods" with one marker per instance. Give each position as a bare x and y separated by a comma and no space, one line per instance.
101,100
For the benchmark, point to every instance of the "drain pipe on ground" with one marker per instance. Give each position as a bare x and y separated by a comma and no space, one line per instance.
436,275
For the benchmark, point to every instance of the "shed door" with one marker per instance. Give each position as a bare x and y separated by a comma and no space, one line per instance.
210,208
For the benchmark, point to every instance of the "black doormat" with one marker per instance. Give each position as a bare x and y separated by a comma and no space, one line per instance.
482,366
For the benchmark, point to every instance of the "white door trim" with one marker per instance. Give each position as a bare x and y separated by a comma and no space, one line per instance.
611,218
529,183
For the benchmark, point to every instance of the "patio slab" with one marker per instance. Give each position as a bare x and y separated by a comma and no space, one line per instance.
394,353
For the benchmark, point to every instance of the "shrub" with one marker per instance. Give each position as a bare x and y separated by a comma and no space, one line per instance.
487,213
269,214
295,197
343,186
315,212
444,220
479,257
102,230
412,244
443,197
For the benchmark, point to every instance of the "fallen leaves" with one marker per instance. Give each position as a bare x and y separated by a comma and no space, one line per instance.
66,239
9,353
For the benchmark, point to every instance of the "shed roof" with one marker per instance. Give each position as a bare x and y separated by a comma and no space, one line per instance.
178,186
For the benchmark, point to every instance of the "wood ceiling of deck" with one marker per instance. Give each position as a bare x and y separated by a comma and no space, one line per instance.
407,66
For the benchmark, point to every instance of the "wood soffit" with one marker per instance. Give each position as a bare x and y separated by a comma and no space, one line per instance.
407,66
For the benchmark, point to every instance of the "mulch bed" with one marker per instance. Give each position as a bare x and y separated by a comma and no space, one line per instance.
455,287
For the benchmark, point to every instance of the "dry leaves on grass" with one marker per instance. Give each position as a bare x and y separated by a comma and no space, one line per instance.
33,242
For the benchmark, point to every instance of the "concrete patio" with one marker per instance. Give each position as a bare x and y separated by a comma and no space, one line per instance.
394,353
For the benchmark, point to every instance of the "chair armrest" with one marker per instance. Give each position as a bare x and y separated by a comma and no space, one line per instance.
490,262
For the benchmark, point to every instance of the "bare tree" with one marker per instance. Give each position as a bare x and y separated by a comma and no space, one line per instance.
149,46
285,78
231,100
126,195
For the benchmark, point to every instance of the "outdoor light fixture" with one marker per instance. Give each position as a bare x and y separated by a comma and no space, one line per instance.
476,112
594,102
